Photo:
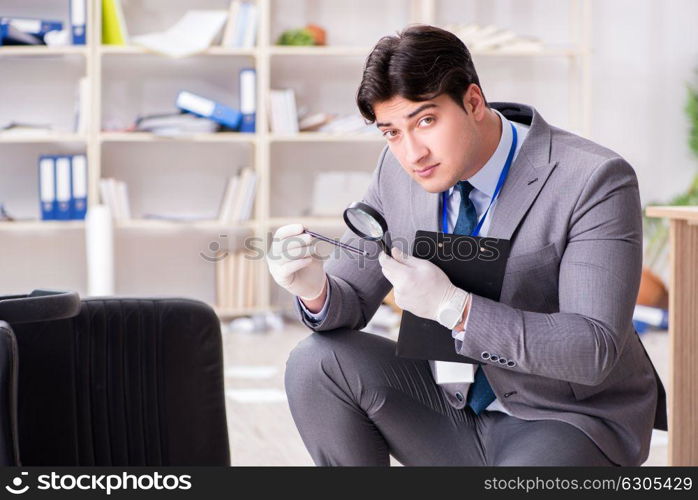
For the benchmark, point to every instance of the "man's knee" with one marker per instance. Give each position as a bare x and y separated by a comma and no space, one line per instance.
309,359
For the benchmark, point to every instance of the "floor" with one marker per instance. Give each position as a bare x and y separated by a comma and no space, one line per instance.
261,429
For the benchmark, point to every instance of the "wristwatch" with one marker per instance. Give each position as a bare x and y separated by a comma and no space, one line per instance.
451,310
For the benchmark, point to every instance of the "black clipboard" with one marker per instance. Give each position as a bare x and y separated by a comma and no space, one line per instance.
473,263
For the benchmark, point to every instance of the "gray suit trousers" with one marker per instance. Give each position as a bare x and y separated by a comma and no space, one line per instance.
355,403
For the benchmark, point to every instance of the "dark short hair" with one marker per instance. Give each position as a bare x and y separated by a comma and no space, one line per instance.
419,63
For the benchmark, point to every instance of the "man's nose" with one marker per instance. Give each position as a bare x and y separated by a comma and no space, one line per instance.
415,151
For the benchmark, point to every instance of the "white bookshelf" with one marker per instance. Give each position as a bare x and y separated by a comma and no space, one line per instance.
119,75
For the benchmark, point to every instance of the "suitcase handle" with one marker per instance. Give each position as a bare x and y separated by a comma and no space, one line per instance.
39,305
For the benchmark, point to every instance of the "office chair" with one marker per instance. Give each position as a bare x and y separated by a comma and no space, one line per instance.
110,381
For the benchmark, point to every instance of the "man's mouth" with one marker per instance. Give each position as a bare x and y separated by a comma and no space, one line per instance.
427,171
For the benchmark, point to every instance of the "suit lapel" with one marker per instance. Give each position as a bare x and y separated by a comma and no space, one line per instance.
526,178
517,195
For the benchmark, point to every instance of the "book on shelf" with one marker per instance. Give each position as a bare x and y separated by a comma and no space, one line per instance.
174,124
11,35
348,124
24,129
78,21
114,194
26,30
238,199
646,317
236,278
239,280
82,106
208,108
241,28
193,33
494,38
248,99
114,30
282,111
313,122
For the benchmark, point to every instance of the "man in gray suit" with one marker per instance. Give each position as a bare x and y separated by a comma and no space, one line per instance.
563,378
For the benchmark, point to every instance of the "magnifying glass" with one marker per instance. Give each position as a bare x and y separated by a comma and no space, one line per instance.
366,222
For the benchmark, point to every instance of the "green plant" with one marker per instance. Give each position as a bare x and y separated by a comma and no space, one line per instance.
301,36
657,230
692,112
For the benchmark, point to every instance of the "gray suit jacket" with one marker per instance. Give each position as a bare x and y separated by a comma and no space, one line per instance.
572,211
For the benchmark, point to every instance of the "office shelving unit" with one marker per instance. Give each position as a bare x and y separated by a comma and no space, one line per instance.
265,150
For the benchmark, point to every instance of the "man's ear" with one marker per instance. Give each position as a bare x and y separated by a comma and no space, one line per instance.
473,100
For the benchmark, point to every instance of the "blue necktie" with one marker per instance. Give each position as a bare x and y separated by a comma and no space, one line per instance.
480,394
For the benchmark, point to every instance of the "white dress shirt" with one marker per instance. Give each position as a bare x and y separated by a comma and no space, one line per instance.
484,183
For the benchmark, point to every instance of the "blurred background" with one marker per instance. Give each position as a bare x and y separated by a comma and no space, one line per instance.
152,147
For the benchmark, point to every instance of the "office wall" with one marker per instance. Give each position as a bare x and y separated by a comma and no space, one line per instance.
644,55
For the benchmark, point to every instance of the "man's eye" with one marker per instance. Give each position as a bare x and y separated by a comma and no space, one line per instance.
389,134
427,120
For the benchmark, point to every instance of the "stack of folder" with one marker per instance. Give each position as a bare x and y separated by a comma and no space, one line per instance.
26,31
63,187
242,120
16,30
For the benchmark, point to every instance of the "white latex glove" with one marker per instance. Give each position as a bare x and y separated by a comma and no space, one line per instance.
293,263
420,287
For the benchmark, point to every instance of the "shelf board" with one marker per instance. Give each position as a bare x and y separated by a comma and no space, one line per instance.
148,137
544,52
40,137
282,50
240,137
42,50
41,225
306,221
156,224
109,50
686,213
326,137
324,50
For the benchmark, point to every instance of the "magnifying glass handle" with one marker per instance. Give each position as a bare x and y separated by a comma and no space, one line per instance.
335,242
387,243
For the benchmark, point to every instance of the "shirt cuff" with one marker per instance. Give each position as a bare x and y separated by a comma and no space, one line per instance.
460,334
320,315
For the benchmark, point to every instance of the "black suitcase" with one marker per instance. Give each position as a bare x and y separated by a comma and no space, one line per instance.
113,381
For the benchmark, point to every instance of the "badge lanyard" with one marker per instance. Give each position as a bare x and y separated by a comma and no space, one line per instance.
500,183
